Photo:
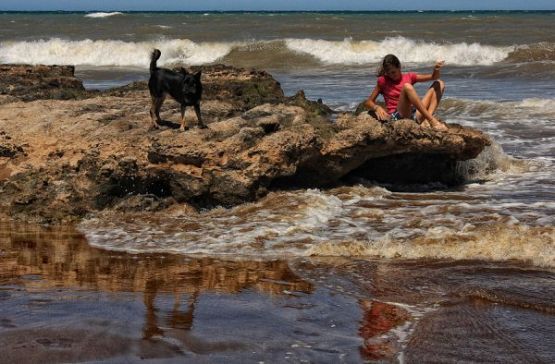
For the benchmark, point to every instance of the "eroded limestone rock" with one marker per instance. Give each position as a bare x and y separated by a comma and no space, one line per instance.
65,159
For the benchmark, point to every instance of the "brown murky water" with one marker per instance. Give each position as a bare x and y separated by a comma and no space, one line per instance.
64,301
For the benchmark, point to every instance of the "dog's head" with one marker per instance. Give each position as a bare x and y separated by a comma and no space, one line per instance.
191,86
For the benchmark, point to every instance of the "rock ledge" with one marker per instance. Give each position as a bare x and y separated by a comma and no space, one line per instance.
66,153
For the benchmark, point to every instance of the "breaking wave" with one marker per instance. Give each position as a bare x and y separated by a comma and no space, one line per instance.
534,108
102,15
501,242
492,160
185,51
538,52
408,50
347,221
111,52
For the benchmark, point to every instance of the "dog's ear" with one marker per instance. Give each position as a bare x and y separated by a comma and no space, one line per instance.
183,71
198,74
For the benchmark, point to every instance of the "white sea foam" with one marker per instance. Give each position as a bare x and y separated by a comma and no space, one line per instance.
492,159
276,229
538,103
349,51
349,221
509,240
111,52
102,14
525,126
120,53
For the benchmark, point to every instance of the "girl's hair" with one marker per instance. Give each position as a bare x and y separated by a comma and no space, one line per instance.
389,60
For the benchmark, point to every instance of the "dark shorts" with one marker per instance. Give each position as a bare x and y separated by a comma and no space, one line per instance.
397,116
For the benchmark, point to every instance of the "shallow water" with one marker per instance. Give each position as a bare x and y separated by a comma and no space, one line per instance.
349,221
63,300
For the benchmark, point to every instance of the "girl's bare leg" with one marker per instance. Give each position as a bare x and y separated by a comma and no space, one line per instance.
408,98
432,98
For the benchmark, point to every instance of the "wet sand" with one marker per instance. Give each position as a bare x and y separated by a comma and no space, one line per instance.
64,301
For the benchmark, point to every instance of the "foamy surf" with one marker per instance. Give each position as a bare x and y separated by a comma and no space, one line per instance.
348,51
540,109
111,52
524,127
508,241
348,221
492,160
102,14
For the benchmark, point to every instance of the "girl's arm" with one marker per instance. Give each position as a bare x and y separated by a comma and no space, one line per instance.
431,76
371,104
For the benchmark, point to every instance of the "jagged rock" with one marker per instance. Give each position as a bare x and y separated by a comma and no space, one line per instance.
69,159
27,83
7,148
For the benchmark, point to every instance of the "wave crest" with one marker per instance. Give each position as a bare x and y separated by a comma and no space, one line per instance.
502,242
408,50
111,52
537,108
102,14
185,51
492,159
538,52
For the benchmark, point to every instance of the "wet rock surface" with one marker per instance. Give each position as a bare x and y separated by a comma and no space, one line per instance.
83,152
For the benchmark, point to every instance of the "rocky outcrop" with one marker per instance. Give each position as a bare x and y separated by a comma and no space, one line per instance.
67,159
27,83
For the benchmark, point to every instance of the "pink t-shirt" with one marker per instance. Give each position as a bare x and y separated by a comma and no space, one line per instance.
391,90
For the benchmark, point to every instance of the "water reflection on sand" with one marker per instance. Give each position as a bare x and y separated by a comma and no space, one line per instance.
63,300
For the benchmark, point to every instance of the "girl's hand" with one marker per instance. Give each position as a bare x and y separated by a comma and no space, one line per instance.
381,113
439,64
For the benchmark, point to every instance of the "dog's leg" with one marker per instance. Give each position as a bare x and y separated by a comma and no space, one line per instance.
159,103
183,128
199,117
154,112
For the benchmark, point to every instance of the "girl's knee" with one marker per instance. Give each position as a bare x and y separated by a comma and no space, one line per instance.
408,87
440,84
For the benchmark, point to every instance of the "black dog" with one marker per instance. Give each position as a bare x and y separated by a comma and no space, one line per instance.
184,87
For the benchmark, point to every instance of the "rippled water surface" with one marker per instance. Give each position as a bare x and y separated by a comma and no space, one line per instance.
65,301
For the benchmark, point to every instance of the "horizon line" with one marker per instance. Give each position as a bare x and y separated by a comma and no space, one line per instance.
274,11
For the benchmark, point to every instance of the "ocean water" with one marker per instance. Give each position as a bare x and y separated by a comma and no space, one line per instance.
494,236
500,76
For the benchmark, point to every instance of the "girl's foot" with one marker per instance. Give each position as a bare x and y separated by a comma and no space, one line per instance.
438,125
426,124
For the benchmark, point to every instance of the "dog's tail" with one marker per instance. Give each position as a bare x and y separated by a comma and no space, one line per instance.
154,56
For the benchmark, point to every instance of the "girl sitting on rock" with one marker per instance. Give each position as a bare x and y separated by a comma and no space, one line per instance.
401,99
